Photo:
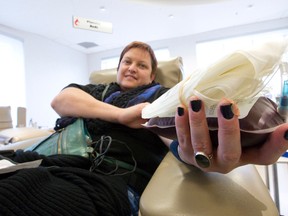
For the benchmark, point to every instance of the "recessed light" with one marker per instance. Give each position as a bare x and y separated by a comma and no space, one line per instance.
250,6
171,16
102,9
88,45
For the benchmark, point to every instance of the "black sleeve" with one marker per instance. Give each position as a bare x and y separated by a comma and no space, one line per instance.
158,93
92,89
162,91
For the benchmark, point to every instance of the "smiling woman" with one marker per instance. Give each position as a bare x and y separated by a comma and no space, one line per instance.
12,88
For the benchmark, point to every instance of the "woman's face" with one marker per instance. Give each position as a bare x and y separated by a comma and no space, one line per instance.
135,69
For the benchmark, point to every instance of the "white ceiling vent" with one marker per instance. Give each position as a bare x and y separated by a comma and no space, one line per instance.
88,45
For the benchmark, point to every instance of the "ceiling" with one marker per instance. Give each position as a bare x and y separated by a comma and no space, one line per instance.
144,20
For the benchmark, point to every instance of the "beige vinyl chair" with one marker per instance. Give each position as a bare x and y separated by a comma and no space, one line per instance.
177,189
21,136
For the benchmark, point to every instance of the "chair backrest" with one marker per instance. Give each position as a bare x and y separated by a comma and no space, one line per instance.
21,117
5,117
168,73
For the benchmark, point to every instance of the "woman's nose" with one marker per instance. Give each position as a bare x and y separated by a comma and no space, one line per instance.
132,68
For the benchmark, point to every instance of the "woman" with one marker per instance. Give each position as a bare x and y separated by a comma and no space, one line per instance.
117,113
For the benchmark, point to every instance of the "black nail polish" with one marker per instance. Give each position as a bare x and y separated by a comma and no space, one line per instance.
286,135
226,111
180,111
196,105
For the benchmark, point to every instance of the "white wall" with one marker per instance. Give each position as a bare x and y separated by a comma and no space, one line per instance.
49,67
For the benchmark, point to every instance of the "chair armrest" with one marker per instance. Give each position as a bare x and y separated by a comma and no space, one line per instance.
21,138
178,189
23,144
24,133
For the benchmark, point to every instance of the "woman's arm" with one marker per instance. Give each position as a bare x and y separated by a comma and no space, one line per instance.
75,102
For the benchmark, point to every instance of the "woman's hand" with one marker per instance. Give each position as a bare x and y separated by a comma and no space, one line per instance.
131,116
193,136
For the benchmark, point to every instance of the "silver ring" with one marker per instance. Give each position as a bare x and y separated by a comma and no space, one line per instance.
203,160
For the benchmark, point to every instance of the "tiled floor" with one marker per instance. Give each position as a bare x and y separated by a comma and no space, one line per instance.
270,175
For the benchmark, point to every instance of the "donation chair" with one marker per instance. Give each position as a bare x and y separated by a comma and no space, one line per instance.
21,136
179,189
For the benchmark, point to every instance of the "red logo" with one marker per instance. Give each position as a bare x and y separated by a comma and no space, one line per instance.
76,22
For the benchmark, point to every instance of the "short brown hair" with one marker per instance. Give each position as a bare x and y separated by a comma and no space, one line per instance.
144,46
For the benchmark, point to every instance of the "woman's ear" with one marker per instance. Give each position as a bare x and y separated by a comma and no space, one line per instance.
153,76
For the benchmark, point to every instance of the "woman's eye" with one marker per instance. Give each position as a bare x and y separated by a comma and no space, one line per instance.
142,66
126,62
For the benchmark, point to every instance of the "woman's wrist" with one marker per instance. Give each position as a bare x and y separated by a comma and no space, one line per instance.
174,148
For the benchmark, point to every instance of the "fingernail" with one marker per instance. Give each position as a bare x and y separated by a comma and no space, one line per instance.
180,111
286,135
226,111
196,105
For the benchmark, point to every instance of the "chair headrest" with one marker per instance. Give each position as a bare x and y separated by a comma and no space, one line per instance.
168,73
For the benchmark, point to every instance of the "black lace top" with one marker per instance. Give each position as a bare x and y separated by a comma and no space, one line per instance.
139,146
